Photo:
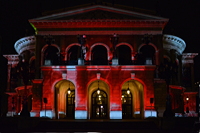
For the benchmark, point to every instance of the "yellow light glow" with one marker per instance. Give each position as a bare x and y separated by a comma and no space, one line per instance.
98,91
128,91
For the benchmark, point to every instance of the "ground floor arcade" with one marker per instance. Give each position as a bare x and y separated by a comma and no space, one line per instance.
102,92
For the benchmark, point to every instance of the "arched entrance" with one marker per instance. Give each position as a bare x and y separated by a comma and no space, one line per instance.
132,99
70,104
98,100
64,99
99,104
126,104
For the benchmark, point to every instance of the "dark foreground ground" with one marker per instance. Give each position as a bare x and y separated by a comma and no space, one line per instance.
149,125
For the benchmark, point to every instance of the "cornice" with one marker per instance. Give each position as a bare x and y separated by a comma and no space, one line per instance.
25,43
173,42
100,23
189,55
98,32
12,59
188,58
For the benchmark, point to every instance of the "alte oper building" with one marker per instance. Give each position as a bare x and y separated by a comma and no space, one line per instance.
100,62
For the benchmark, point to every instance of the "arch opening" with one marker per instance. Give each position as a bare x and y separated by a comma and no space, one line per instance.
133,102
147,55
64,101
124,55
51,55
73,55
98,104
99,55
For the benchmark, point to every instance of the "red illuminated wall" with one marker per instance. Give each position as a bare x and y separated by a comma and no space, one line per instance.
82,76
191,103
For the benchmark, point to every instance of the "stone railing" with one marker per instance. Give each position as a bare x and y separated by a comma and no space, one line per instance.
173,42
25,43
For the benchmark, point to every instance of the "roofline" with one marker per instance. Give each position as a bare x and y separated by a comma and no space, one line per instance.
90,8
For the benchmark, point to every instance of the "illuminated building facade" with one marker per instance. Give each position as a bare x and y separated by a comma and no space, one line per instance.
98,62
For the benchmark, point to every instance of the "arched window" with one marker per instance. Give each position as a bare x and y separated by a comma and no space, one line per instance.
99,104
126,104
124,55
51,56
99,55
73,55
147,55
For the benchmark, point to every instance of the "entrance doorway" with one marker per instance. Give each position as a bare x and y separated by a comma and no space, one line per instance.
99,105
70,104
126,105
132,99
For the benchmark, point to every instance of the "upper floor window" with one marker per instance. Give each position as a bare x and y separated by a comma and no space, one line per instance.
73,55
99,55
51,56
124,55
147,55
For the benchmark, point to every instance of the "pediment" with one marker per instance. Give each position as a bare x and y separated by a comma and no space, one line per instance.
98,19
96,12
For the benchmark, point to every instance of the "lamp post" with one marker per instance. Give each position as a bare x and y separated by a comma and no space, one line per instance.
23,71
114,40
82,41
187,108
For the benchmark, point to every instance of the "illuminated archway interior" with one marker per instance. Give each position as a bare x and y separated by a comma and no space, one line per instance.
137,94
62,89
92,88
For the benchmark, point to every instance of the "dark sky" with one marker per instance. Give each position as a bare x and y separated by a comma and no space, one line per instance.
183,15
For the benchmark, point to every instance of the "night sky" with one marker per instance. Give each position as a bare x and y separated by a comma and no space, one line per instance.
183,15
